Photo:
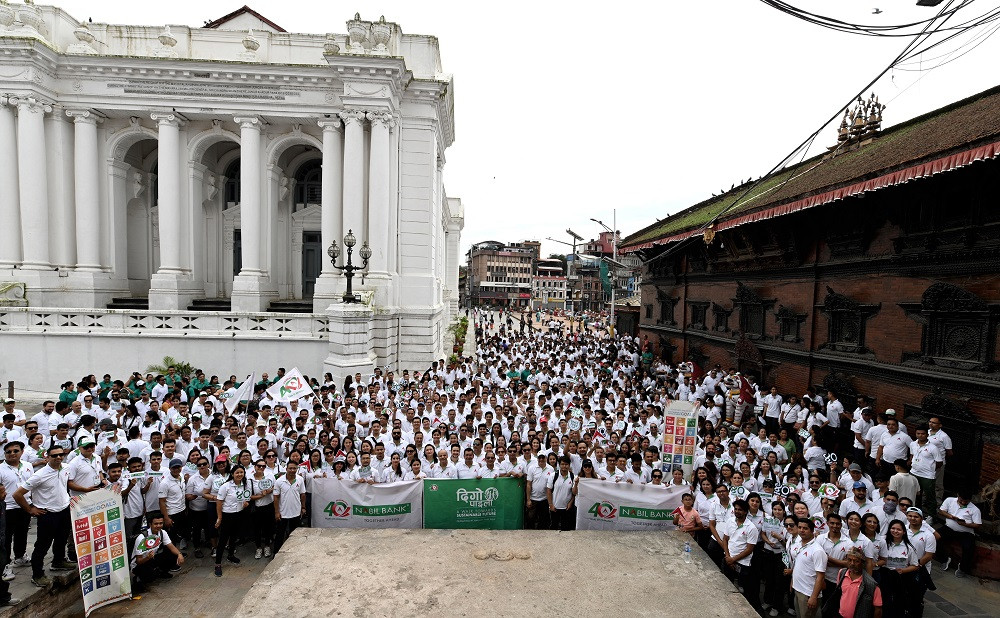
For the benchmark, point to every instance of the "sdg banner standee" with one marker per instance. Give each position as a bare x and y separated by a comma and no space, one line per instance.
491,504
346,504
601,505
99,535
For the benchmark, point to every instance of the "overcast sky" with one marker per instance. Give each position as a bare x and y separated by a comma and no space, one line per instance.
567,110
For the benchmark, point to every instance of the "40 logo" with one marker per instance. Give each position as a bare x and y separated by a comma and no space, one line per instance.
603,510
338,509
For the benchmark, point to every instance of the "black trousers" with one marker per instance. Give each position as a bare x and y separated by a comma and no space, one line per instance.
16,533
562,519
538,516
232,524
202,522
53,532
966,540
263,525
133,526
5,554
284,528
181,528
149,571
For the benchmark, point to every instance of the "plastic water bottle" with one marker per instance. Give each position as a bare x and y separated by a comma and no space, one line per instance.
687,552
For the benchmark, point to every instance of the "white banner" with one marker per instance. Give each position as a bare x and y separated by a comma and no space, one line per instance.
346,504
291,386
601,505
99,536
243,393
680,437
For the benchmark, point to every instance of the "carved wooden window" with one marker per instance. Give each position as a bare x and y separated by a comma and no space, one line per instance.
667,304
721,318
847,321
959,328
649,311
752,308
699,312
789,324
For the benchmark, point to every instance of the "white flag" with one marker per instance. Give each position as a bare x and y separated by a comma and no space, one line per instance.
292,386
243,393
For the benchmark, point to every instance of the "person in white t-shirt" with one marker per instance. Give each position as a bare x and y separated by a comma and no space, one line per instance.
738,544
154,555
962,518
808,570
560,497
232,500
289,504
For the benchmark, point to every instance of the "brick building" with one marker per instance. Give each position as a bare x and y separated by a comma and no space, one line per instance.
873,269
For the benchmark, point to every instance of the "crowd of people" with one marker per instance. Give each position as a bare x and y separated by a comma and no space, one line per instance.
800,501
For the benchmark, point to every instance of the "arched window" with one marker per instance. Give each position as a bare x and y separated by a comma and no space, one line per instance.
233,182
154,180
309,182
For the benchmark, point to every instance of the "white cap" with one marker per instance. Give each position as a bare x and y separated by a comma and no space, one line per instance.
890,412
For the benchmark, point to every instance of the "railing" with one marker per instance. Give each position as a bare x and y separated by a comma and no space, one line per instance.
163,323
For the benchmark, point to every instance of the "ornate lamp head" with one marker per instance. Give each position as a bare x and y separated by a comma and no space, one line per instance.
366,251
333,251
350,240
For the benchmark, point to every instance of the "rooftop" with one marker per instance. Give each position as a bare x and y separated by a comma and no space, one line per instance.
962,125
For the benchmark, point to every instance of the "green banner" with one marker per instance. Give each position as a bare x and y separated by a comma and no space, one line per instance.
491,504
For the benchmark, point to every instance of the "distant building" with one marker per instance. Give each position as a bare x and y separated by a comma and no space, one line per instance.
499,275
548,286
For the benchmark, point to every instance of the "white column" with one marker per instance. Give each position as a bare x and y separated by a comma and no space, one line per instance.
379,204
88,212
10,230
59,156
250,177
168,188
333,189
33,182
354,172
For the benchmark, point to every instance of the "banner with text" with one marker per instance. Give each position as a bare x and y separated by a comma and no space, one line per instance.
99,535
492,504
346,504
601,505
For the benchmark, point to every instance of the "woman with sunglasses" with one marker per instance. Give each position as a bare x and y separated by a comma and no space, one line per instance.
232,501
262,509
202,511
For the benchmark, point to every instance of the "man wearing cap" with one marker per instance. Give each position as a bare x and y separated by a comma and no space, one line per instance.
536,487
855,474
8,408
13,472
173,503
85,471
859,502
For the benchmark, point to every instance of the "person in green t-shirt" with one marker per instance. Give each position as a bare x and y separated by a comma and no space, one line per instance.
68,393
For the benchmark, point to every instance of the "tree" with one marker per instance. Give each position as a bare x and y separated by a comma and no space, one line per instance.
183,369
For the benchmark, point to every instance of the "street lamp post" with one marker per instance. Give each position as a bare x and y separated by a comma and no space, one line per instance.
614,257
349,268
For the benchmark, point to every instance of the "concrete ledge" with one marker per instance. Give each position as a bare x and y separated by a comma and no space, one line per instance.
490,573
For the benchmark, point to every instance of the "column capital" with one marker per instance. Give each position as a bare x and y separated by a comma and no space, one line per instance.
249,122
165,119
30,104
381,118
330,124
352,115
83,116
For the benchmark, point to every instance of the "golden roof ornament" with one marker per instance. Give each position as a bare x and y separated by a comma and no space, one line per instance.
859,126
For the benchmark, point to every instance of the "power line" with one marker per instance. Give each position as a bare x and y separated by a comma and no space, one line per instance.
944,15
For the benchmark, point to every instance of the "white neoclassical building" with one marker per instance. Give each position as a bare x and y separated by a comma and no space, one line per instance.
198,176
